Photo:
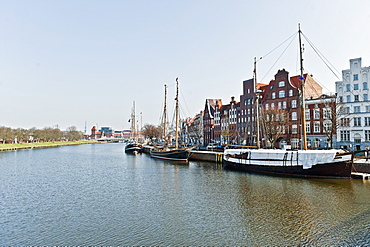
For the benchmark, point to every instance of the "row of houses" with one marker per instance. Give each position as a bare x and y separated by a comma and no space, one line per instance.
337,120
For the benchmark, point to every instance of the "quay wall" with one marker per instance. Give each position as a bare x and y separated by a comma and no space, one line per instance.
206,156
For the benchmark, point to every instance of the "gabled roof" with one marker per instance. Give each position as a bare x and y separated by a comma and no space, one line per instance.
296,82
211,105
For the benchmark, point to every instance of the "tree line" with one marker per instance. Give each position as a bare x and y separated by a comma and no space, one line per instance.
47,134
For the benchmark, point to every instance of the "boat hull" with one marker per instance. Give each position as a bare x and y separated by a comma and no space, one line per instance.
176,155
331,170
338,167
133,148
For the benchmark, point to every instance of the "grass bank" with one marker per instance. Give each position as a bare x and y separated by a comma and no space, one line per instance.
7,147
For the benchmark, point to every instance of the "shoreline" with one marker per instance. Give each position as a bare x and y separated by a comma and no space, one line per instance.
15,147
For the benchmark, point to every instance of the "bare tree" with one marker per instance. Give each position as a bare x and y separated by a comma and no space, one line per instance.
72,134
334,116
150,131
274,123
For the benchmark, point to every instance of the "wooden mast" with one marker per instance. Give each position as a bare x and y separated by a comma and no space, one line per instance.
133,122
257,104
177,114
302,96
165,116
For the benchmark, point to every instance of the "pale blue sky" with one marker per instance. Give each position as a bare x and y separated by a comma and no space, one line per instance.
66,62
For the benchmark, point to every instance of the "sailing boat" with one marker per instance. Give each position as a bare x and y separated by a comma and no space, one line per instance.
165,152
297,163
133,146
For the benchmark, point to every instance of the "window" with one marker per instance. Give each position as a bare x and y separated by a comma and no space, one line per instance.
294,115
281,94
294,103
344,122
367,135
356,121
294,129
307,111
316,143
356,98
367,108
267,107
364,85
366,97
348,98
340,99
355,86
249,90
272,106
316,127
248,101
356,109
326,113
273,95
290,92
344,135
346,110
348,87
308,127
316,113
294,143
355,77
367,121
327,126
281,83
284,105
279,105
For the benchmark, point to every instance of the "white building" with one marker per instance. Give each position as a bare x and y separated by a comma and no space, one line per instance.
353,132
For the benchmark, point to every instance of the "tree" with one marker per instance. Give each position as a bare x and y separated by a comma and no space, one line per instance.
73,134
274,123
150,131
334,115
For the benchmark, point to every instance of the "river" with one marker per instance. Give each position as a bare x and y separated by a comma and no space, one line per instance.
98,195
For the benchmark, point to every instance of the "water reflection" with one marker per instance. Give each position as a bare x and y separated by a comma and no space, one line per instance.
98,195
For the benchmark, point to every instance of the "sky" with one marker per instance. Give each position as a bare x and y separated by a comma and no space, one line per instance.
84,62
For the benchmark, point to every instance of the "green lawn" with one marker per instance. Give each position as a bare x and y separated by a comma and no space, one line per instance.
39,144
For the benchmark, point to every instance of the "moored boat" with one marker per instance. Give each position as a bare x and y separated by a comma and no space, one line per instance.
133,147
180,154
298,163
164,152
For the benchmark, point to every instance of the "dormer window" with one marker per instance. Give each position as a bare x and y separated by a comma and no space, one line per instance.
281,83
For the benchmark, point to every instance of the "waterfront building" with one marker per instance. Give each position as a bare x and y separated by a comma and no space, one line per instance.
192,129
208,120
280,114
321,122
246,114
353,94
107,131
228,122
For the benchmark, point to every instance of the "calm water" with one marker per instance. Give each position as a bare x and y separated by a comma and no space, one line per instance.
98,195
